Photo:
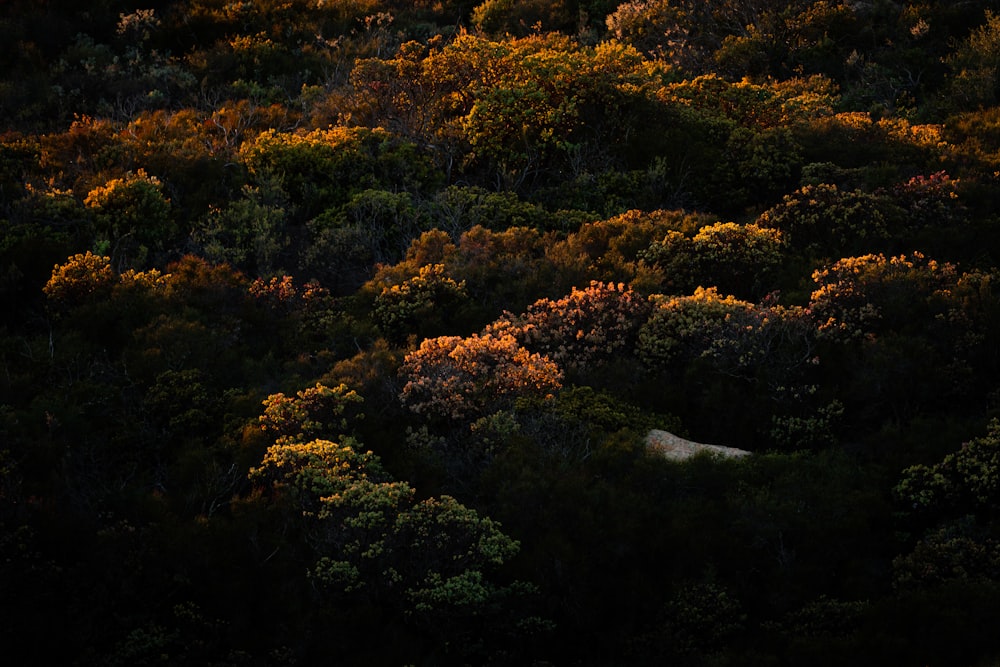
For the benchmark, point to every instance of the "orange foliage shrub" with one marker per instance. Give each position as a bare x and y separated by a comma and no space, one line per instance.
586,326
859,297
80,277
310,308
458,378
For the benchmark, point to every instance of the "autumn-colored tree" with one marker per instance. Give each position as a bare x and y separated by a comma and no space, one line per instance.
881,150
504,270
704,323
726,146
308,311
753,104
928,201
518,18
900,323
192,151
659,28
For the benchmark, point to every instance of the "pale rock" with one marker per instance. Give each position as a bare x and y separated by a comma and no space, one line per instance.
674,448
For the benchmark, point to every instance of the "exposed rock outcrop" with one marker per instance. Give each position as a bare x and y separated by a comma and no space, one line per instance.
674,448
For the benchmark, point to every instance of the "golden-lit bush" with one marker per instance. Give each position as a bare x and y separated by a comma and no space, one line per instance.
79,278
860,297
586,327
314,412
459,378
89,277
827,221
703,324
737,259
132,217
419,304
730,336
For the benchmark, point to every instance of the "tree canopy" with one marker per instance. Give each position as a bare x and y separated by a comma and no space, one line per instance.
333,331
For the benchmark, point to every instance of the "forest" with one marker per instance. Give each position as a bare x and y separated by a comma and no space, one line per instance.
333,331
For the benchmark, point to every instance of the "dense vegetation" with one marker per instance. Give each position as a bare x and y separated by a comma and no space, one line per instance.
332,332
